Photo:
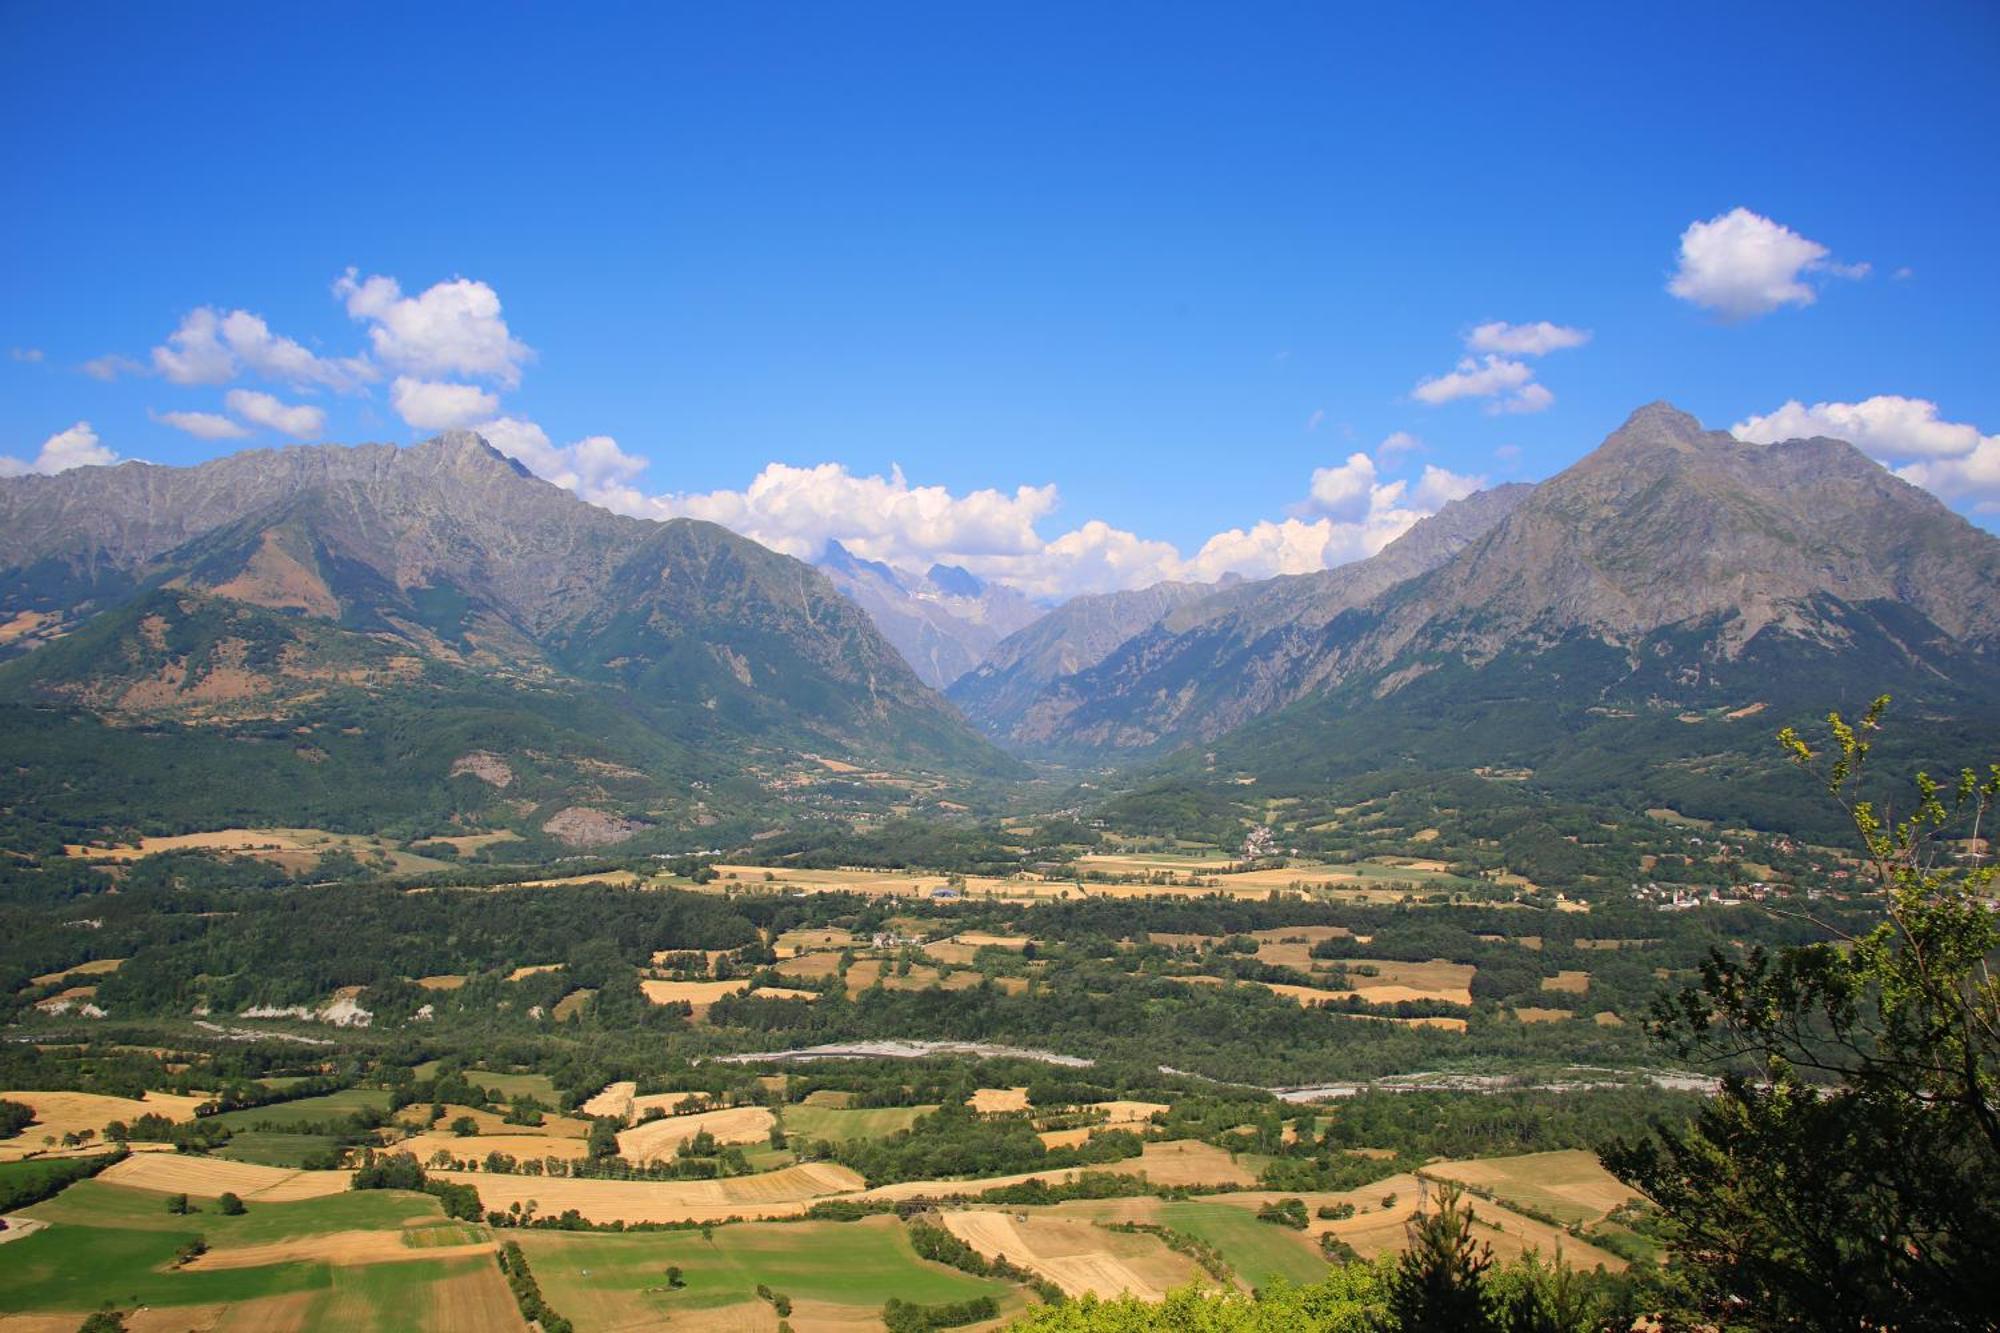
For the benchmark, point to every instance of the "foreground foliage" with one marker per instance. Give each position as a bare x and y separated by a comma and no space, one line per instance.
1849,1177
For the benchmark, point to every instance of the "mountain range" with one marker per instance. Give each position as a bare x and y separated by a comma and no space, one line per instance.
1671,597
325,632
335,636
943,621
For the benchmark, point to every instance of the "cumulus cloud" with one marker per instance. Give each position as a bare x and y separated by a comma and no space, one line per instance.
1508,385
451,329
1495,371
594,467
204,425
798,510
1398,442
301,422
1537,339
1342,491
1742,265
1953,459
76,447
214,347
430,405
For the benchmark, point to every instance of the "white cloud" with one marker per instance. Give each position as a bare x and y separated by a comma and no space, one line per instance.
1349,514
594,467
1887,425
452,328
214,348
1398,442
1953,459
76,447
1342,491
1742,265
301,423
1538,339
31,355
1531,398
429,405
204,425
1508,383
798,510
1312,422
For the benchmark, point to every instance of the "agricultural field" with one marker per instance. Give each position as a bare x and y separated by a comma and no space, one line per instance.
307,1111
1569,1185
336,1261
1082,1259
837,1274
61,1114
838,1125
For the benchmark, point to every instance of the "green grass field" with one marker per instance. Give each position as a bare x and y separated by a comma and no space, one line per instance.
822,1122
619,1281
108,1243
307,1110
95,1205
510,1086
267,1148
1260,1252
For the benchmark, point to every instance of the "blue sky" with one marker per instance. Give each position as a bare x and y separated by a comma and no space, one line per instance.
1170,262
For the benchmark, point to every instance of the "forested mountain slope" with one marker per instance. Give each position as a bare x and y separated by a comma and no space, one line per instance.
350,634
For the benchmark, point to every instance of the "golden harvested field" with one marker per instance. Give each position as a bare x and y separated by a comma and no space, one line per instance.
783,993
702,995
1605,1018
980,939
1176,1162
615,1100
1570,1184
60,1113
1437,979
1124,1113
784,1193
794,942
668,1102
1064,1138
616,878
443,981
830,1098
810,966
1310,997
990,1101
475,1300
1614,944
418,1115
210,1177
945,951
1076,1256
532,969
656,1140
878,883
1567,983
343,1248
96,967
867,971
1530,1014
473,1148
